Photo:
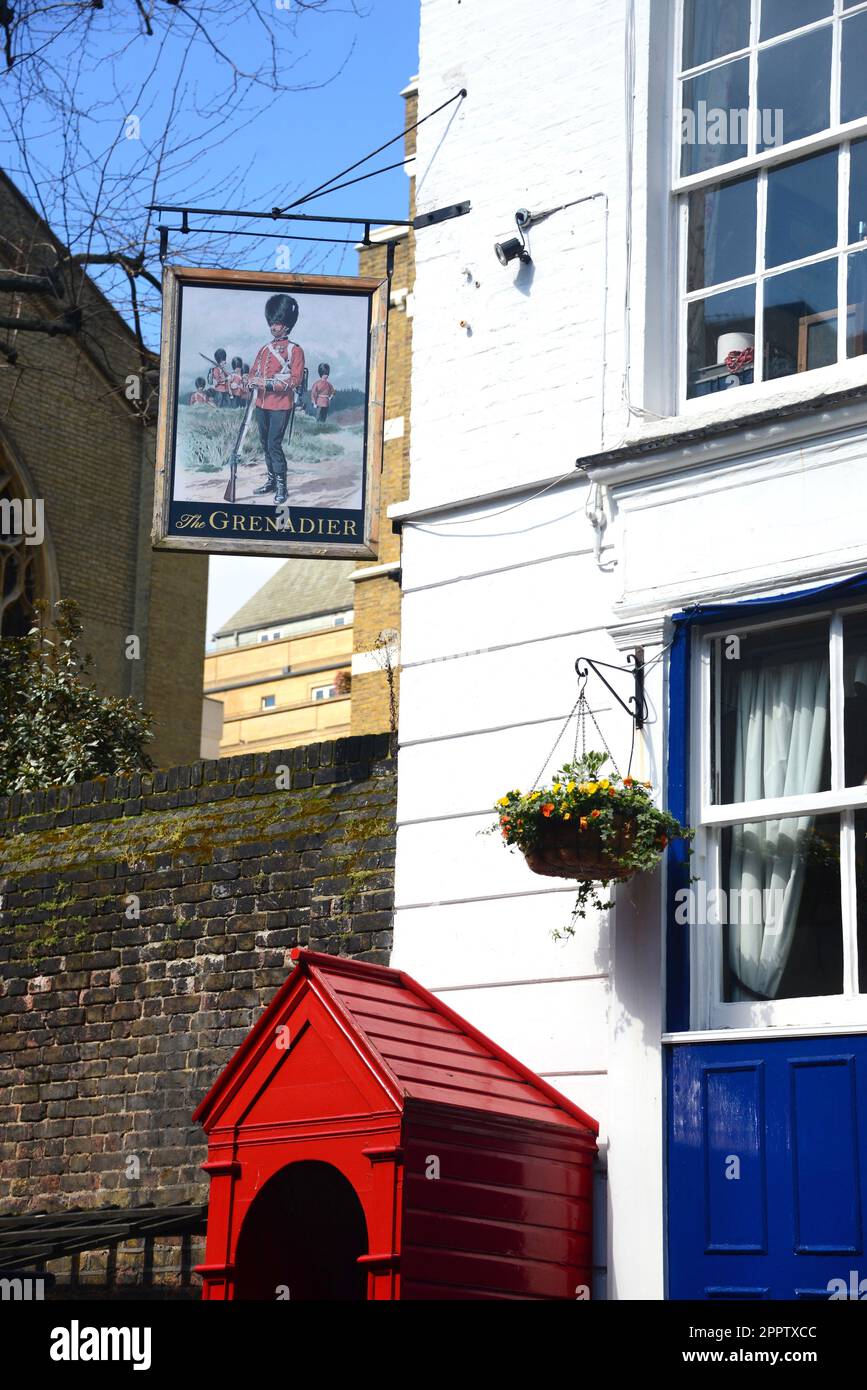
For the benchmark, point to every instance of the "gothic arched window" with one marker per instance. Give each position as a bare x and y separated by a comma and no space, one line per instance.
22,567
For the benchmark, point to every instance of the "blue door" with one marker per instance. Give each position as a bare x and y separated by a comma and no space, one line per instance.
767,940
767,1168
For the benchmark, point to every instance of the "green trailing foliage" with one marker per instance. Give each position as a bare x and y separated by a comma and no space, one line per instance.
599,808
55,727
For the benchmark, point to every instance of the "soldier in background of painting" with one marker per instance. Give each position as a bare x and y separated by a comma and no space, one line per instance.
237,388
198,396
277,373
218,378
322,392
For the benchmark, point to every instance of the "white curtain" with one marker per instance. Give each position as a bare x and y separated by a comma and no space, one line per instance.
780,743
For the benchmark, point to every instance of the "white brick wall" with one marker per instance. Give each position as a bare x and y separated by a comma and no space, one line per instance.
519,391
502,593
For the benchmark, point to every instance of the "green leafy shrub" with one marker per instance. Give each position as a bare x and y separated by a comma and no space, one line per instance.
56,728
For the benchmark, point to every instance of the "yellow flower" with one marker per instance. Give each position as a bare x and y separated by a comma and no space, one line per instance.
567,815
556,787
605,784
592,787
570,787
535,796
503,801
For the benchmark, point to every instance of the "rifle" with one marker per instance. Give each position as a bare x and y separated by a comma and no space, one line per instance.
229,494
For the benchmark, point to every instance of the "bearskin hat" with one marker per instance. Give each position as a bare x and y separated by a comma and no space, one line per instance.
323,367
282,308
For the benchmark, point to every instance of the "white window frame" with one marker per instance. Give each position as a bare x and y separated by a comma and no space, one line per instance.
846,371
318,699
272,699
707,1011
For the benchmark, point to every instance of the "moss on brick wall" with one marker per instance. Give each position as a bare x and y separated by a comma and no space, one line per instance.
144,923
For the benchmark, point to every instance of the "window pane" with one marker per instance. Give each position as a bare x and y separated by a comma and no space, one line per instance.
714,119
779,16
861,895
783,926
858,191
855,697
802,209
722,233
795,89
721,335
854,96
801,320
711,29
771,721
857,305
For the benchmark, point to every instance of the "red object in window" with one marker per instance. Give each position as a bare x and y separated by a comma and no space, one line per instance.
366,1142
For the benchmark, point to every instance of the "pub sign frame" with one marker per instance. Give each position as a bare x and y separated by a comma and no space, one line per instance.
211,445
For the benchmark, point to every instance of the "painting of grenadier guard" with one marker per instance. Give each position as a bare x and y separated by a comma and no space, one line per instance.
271,402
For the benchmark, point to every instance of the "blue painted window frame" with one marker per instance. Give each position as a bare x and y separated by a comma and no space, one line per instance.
686,625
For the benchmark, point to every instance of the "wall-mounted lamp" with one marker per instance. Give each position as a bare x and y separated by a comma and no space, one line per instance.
512,250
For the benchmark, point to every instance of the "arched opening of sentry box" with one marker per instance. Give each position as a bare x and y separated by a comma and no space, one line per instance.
302,1238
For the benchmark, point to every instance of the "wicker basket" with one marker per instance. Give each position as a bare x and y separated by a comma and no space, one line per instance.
566,851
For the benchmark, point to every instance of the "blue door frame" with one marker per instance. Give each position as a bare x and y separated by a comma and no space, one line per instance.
766,1168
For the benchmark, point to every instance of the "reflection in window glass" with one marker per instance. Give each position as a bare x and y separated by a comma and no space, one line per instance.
855,314
861,896
771,723
853,101
855,697
714,119
711,30
801,320
858,191
779,16
781,913
795,81
802,209
722,233
721,339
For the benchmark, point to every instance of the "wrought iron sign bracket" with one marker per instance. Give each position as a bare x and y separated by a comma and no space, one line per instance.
424,219
636,707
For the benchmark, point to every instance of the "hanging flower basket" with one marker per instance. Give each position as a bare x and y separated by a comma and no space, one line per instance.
595,829
565,851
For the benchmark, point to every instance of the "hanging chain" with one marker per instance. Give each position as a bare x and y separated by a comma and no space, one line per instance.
579,713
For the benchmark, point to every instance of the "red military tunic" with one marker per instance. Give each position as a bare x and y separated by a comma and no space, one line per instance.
237,385
219,378
198,398
281,363
322,392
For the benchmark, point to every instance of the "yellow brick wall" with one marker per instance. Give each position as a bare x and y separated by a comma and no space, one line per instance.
65,424
259,669
377,600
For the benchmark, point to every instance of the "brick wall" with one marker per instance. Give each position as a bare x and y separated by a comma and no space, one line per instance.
145,922
68,432
377,600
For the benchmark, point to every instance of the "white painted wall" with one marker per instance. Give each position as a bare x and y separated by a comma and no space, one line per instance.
503,588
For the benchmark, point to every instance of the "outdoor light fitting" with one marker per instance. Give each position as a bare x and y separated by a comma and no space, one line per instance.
513,249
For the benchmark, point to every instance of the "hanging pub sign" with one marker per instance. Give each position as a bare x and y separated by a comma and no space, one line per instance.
271,411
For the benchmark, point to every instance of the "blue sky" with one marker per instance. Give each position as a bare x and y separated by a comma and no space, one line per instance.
337,125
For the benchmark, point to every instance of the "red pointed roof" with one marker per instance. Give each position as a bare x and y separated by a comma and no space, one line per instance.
424,1050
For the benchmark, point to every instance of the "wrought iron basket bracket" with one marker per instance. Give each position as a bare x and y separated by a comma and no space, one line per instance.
636,707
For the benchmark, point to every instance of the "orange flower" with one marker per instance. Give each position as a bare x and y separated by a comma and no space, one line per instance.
548,808
612,792
583,822
594,814
628,781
